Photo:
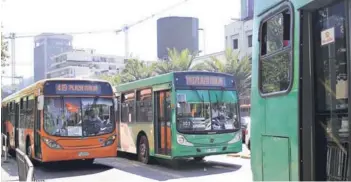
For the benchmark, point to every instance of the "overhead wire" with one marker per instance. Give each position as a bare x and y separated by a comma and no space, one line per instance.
116,31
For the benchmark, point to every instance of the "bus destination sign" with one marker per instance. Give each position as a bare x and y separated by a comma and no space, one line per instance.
63,88
204,80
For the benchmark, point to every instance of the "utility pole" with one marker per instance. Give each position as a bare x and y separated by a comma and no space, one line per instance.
126,43
13,60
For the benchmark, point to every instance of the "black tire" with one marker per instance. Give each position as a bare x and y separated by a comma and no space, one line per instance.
143,150
87,161
9,150
199,158
249,145
28,149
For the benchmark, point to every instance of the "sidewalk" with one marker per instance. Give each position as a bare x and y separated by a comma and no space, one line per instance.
245,154
9,171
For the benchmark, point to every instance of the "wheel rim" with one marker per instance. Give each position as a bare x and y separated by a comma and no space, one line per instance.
142,149
29,151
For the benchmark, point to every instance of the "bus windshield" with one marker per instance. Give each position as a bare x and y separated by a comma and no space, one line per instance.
78,117
207,110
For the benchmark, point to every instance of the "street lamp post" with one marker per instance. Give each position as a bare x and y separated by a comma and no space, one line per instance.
203,39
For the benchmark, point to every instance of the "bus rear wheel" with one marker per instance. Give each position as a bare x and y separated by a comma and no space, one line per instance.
143,150
199,158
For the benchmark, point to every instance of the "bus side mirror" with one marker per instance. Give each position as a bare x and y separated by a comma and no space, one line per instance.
115,103
40,102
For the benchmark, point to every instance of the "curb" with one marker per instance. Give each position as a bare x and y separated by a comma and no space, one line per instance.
244,156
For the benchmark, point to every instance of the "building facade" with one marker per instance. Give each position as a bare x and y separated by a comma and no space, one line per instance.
46,46
177,32
238,36
84,64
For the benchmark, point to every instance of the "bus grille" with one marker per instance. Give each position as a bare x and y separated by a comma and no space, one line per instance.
337,162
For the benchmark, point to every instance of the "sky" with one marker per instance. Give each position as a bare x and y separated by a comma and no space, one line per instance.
60,16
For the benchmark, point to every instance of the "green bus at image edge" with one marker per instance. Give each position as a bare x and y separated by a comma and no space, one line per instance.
293,41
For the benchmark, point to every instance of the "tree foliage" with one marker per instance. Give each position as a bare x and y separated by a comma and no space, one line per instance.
4,52
177,61
136,69
239,68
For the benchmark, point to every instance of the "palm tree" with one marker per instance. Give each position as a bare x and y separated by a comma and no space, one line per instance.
239,68
178,61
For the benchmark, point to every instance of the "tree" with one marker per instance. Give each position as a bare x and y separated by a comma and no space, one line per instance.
135,69
113,79
240,69
177,61
4,52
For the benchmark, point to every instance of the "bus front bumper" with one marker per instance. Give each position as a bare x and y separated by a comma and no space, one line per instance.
195,151
51,155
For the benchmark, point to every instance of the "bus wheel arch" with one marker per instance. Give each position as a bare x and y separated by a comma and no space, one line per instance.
143,148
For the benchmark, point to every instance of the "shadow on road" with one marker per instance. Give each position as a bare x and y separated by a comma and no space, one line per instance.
55,170
67,169
164,170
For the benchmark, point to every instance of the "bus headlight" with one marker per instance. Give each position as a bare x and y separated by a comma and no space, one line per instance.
51,143
236,138
182,141
110,140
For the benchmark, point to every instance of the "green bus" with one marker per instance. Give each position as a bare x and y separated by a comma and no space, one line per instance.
179,115
300,90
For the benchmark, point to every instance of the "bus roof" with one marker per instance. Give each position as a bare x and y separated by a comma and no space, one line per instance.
159,79
39,85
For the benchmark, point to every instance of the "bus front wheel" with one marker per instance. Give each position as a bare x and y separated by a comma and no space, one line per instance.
143,150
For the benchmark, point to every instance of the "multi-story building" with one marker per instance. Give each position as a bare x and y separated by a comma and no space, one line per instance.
238,34
84,64
46,46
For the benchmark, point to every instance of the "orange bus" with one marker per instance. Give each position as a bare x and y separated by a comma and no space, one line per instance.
61,120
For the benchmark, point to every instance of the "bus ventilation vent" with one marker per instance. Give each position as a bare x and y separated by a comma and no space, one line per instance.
337,162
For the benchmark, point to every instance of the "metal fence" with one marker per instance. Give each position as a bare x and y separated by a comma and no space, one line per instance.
4,147
25,167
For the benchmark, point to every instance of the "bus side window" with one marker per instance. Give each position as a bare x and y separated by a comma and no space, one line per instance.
144,106
128,107
276,50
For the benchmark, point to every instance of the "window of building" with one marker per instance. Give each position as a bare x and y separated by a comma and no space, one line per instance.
144,105
249,41
235,44
276,50
128,107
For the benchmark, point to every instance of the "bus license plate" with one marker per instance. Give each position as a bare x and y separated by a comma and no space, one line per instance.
211,150
83,154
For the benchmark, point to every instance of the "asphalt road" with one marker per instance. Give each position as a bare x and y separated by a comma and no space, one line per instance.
126,168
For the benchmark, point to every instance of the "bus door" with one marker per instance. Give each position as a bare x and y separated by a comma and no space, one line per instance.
37,119
163,137
17,114
325,104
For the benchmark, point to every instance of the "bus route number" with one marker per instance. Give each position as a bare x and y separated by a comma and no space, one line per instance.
76,88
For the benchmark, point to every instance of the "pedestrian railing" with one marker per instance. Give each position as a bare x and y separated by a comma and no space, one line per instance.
25,167
4,147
